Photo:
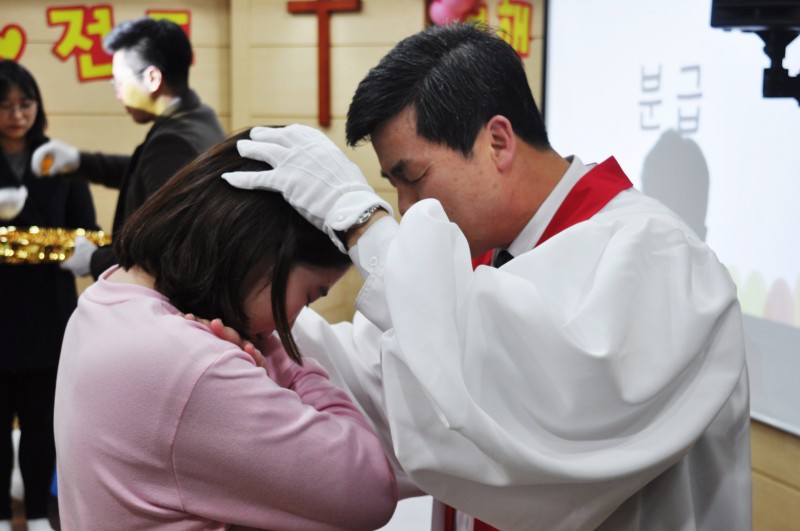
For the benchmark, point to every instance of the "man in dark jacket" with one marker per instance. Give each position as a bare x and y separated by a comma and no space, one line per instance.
151,79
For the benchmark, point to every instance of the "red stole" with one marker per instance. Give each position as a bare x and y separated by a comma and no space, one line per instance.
589,195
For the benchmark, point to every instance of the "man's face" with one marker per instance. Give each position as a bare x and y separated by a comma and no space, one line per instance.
130,89
419,169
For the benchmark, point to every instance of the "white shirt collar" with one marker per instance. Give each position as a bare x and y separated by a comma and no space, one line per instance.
527,239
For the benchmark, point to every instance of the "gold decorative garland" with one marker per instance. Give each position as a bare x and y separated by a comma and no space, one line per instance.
39,245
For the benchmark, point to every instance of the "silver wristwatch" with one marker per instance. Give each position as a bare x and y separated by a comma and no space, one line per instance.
362,219
365,216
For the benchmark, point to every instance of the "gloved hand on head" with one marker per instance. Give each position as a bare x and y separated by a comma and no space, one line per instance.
12,201
80,261
54,157
313,175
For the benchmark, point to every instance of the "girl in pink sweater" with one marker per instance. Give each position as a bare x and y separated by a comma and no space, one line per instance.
160,424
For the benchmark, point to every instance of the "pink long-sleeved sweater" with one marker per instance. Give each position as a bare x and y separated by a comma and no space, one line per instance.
161,425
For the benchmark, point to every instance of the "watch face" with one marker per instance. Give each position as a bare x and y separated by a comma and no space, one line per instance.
364,217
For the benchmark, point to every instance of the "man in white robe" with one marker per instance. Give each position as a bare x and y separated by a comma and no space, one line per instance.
595,381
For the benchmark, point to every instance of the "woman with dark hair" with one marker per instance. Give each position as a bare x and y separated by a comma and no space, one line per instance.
37,298
161,423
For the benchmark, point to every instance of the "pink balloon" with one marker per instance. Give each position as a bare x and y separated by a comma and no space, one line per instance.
459,7
440,14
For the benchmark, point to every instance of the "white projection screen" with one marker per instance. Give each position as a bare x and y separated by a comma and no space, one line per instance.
680,105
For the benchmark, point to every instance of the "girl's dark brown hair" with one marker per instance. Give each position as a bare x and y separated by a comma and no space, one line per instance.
207,243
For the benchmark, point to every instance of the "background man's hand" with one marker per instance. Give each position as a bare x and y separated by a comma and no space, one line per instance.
54,157
81,260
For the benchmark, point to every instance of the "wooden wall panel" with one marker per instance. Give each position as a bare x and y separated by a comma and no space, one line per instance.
272,25
209,77
776,479
776,506
772,449
91,132
284,80
62,93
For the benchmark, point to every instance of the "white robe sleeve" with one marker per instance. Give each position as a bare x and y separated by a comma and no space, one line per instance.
544,394
351,355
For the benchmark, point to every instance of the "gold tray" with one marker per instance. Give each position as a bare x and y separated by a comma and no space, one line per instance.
38,245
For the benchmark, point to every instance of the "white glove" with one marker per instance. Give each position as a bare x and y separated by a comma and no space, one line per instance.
80,261
312,173
12,200
54,157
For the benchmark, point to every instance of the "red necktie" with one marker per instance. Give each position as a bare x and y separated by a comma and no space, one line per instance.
589,195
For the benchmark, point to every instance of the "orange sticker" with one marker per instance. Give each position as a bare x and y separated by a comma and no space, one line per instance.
47,163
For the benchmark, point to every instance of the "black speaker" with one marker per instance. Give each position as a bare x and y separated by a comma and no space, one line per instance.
777,22
756,15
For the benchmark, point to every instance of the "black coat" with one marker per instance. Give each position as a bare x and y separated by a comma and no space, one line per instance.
175,139
36,300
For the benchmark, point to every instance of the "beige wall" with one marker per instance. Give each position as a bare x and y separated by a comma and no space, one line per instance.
256,65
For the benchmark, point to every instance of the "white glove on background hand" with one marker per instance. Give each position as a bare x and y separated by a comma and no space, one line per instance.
312,173
80,261
54,157
12,200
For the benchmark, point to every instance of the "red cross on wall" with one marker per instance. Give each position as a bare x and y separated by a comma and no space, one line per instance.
323,9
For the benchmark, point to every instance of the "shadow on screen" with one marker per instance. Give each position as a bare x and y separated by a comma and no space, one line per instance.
675,172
